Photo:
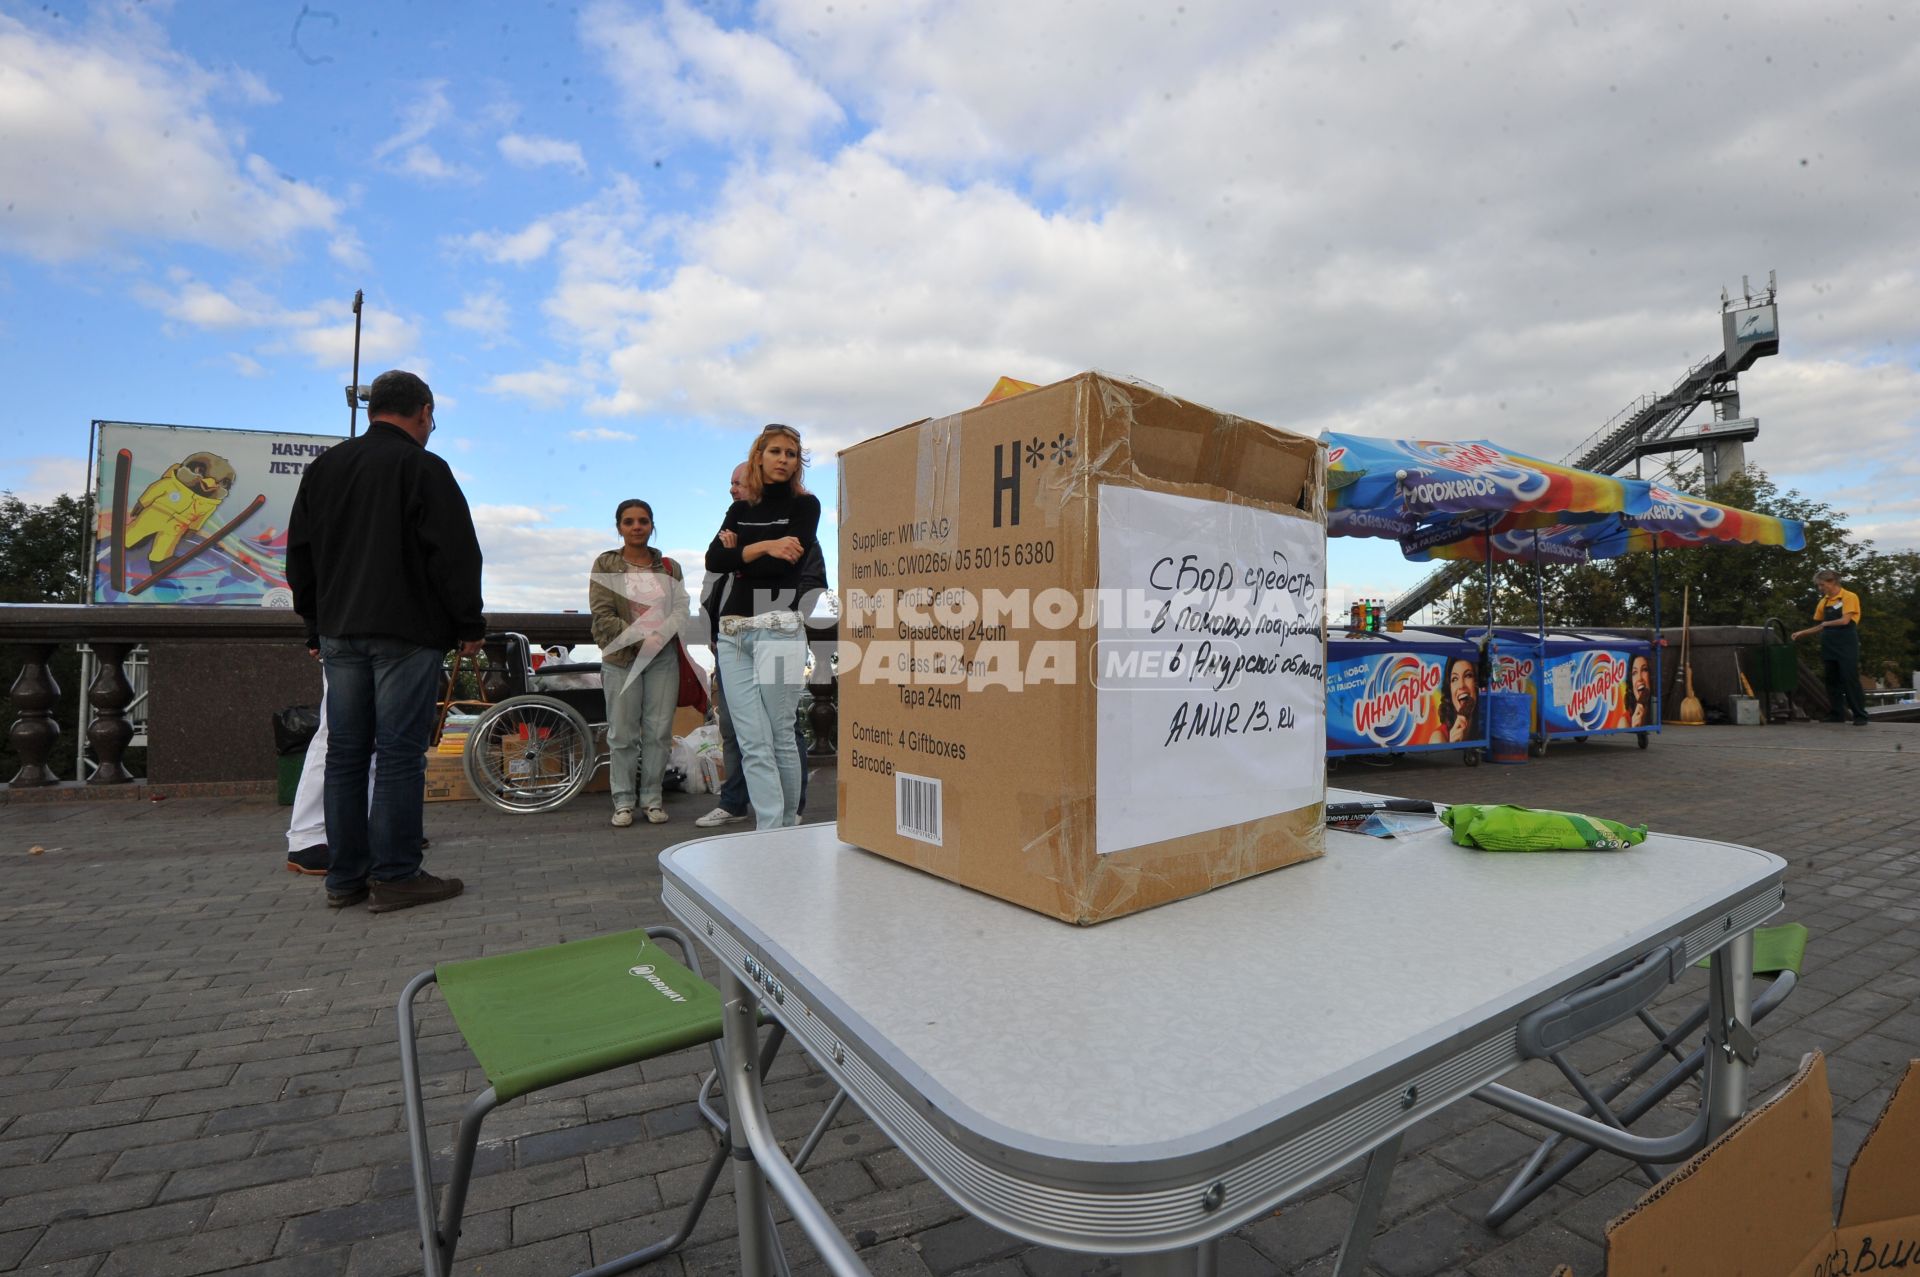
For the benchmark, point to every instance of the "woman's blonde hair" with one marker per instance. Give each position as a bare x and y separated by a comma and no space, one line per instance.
753,480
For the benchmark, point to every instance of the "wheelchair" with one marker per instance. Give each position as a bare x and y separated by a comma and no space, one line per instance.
537,748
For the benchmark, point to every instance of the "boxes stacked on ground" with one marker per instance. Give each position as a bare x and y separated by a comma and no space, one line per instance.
1085,648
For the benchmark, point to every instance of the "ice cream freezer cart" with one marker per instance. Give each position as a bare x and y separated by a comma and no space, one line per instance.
1405,692
1583,684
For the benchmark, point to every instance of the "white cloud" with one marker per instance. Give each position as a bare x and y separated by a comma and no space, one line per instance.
600,260
425,163
113,141
520,248
533,151
322,332
544,387
245,365
534,563
1386,219
678,71
387,340
38,480
600,434
406,151
483,313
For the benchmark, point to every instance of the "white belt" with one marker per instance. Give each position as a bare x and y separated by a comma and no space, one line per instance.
779,622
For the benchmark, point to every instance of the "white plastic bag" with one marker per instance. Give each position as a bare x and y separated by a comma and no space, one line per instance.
687,762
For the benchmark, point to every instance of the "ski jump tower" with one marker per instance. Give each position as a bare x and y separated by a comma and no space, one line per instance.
1750,329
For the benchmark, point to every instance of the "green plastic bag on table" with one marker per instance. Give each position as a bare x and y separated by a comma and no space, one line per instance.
1509,828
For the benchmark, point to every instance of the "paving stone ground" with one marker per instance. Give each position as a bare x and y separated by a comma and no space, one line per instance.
198,1071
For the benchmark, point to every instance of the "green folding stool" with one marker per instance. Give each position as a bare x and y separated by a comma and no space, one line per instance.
547,1016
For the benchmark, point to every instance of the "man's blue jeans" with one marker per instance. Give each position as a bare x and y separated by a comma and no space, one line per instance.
733,790
381,694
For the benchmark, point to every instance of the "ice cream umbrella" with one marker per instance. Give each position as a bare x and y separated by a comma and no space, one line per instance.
1395,487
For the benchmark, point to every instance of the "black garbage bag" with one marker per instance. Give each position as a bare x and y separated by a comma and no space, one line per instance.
293,728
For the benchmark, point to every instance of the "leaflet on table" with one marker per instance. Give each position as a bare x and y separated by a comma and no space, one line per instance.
1216,697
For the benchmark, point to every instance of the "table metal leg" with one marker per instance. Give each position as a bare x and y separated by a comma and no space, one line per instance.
740,1024
1730,1044
1194,1261
1366,1211
760,1163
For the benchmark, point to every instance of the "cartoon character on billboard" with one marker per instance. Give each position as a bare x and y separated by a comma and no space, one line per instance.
1640,691
1461,702
182,499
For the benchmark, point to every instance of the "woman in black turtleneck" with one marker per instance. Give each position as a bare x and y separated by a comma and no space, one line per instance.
762,645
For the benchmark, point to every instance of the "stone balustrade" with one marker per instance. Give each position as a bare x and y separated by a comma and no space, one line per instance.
38,630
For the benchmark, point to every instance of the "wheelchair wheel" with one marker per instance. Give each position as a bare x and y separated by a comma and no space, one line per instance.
529,754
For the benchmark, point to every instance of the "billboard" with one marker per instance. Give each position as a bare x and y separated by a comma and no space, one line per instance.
1402,700
1750,332
190,515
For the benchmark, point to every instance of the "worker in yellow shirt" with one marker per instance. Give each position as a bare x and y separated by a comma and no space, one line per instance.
1837,621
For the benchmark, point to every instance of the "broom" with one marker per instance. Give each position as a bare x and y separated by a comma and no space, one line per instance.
1691,712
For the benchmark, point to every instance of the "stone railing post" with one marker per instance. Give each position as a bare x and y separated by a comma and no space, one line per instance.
34,694
110,731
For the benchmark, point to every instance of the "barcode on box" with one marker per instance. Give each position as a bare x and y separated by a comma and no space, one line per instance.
916,808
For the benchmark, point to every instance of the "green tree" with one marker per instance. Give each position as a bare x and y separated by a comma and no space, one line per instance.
42,550
43,560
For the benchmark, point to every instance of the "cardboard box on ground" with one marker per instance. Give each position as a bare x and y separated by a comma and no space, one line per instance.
1098,687
1758,1201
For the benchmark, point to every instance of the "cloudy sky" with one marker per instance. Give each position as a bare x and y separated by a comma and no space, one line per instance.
616,236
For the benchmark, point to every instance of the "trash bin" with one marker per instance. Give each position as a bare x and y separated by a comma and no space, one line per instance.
293,731
1510,726
287,777
1779,667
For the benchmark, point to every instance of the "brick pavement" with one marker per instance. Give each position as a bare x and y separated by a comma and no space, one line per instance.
198,1072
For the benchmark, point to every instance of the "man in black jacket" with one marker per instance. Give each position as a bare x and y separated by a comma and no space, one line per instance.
385,569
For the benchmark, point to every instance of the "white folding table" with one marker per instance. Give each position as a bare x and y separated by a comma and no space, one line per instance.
1140,1087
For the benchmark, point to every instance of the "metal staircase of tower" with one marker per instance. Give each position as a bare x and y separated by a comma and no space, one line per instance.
1648,424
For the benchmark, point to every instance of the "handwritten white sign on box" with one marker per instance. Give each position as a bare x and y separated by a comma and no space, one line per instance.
1211,701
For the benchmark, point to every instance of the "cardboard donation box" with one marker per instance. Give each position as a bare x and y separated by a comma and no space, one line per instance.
446,778
1758,1202
1085,647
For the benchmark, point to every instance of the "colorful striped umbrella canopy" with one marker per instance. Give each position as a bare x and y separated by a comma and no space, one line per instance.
1392,487
1676,521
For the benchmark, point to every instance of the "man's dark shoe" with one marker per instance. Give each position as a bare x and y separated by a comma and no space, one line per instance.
344,899
309,860
421,889
1861,722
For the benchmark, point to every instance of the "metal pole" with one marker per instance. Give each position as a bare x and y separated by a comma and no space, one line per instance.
1489,545
1659,637
749,1188
1366,1211
1539,590
1730,1048
353,392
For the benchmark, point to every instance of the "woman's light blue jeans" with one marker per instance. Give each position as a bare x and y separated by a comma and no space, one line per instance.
640,725
764,671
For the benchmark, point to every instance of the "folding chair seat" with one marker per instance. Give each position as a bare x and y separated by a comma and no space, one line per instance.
548,1016
1550,1033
